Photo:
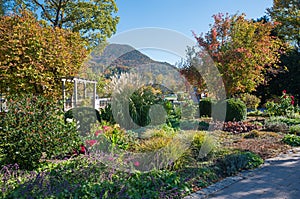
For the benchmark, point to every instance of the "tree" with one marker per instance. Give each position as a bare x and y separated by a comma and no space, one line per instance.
189,69
242,50
34,56
94,20
287,13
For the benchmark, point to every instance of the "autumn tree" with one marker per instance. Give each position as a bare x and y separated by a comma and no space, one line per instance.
34,56
94,20
242,50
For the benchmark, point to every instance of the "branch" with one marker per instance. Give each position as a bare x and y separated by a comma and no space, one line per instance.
44,10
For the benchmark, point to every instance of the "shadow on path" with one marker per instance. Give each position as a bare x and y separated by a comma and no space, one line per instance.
278,178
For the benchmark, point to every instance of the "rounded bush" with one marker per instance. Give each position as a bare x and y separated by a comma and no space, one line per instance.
236,110
85,116
205,107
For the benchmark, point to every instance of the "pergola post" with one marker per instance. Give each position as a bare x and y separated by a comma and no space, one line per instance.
75,93
84,90
64,94
94,95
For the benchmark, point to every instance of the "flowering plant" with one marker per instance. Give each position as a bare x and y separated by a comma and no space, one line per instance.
285,106
106,137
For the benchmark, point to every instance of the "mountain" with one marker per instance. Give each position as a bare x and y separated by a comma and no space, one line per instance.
117,57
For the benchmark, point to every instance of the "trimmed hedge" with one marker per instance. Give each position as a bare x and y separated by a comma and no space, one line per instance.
236,110
205,107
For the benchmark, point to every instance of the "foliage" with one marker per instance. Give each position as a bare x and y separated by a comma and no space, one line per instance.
276,126
35,126
235,110
292,140
85,117
189,69
243,51
188,109
106,137
295,129
106,114
85,178
251,101
94,20
233,163
240,127
286,12
34,57
252,134
205,107
285,107
140,104
199,139
153,144
286,120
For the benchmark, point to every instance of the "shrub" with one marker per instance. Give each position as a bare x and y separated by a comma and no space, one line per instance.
85,116
153,144
276,126
34,126
235,110
205,107
285,107
295,129
292,140
107,115
286,120
197,143
251,101
107,137
233,163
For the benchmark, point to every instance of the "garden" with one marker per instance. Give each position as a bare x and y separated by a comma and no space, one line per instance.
153,139
84,153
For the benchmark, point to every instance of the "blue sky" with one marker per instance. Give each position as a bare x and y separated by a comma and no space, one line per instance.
183,16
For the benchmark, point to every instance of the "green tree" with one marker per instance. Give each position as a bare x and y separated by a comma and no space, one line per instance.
34,56
242,50
287,13
94,20
2,8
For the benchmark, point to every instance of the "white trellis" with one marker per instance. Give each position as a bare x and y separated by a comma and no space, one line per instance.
75,81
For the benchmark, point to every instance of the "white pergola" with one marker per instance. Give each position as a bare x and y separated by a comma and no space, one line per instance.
75,81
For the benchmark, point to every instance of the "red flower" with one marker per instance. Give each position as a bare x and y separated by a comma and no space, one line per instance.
82,149
292,97
91,142
284,91
292,102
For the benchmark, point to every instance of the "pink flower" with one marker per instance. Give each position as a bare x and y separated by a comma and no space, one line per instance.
110,158
284,91
98,132
292,102
106,128
91,142
136,163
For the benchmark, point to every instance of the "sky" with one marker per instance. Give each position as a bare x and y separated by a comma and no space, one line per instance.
182,16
